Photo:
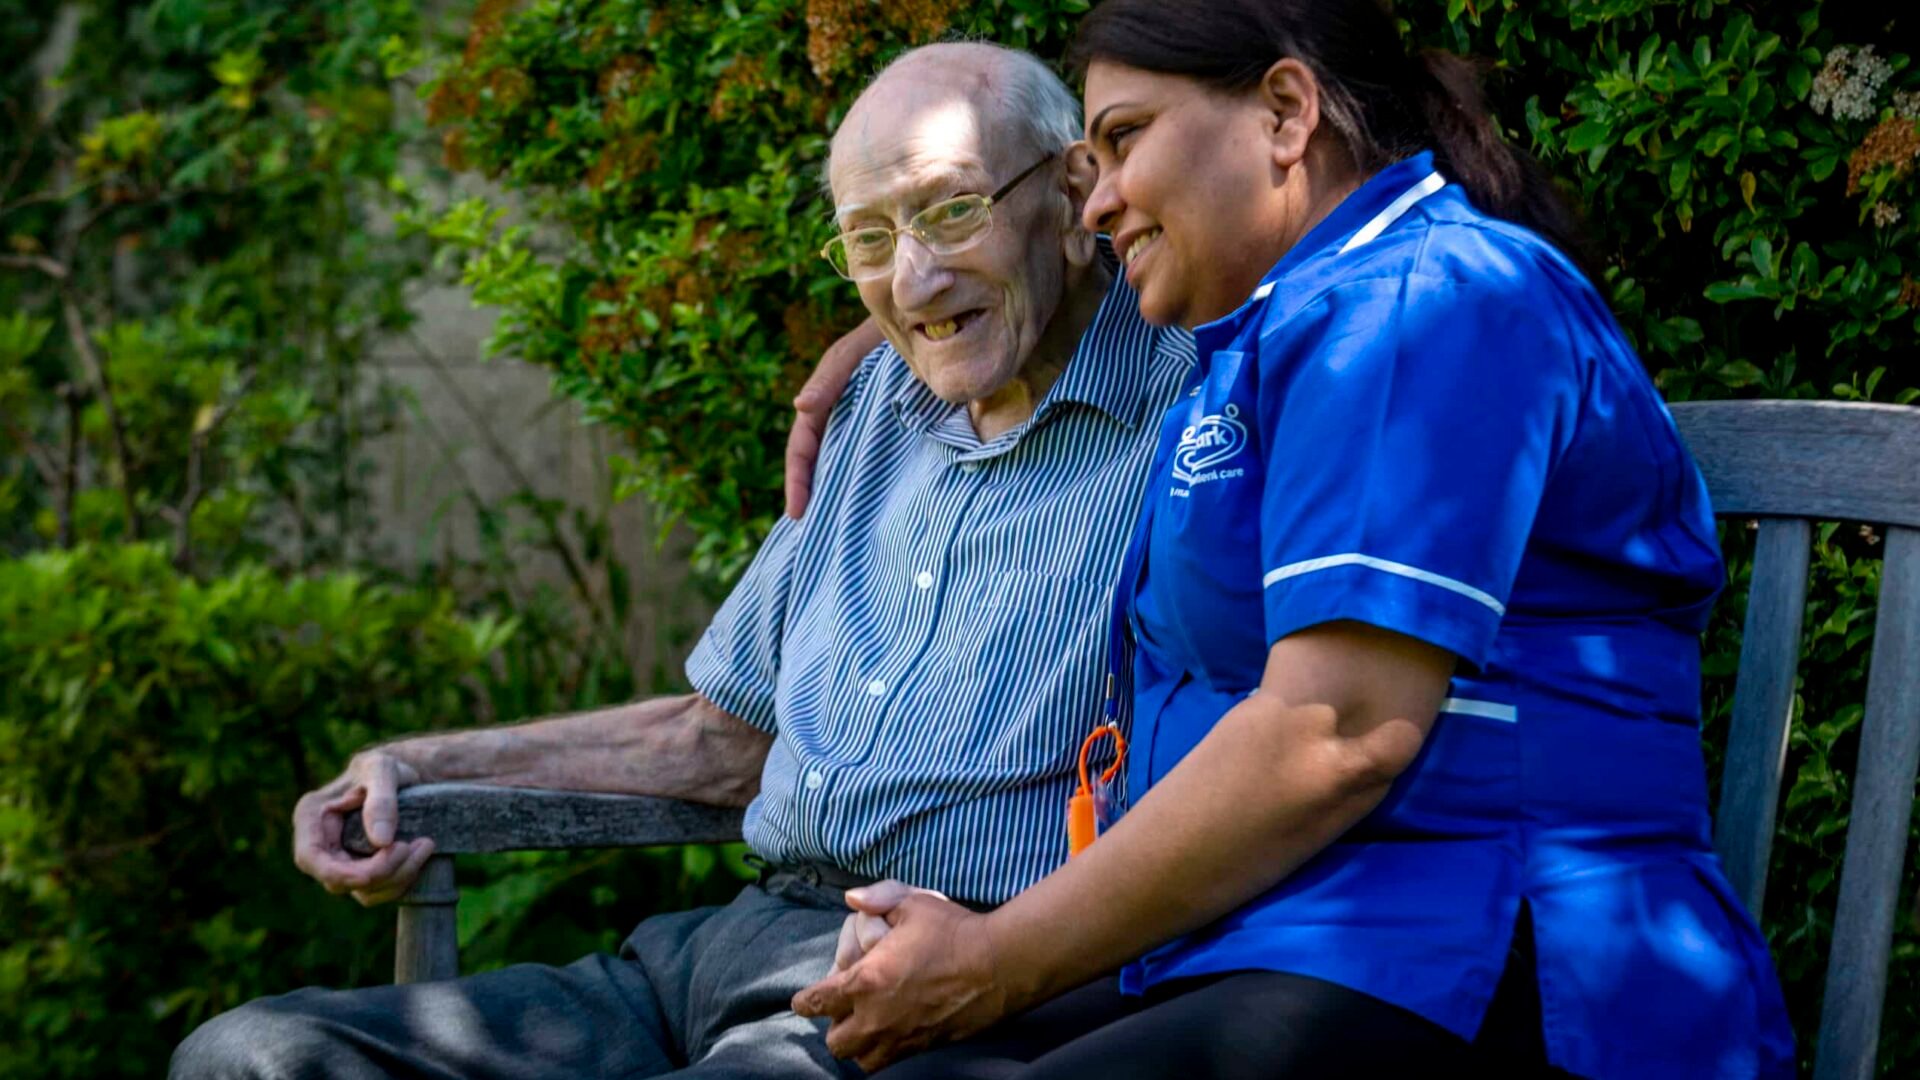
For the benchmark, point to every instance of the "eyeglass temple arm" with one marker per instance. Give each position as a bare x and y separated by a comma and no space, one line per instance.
1015,182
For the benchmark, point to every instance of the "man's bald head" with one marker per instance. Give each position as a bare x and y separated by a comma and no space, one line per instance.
1022,105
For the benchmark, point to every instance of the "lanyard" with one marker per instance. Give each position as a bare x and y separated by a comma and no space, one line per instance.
1091,809
1130,565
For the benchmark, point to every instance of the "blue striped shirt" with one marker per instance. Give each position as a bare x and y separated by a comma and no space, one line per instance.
929,644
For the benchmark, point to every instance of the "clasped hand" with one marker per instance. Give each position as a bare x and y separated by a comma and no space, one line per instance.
913,969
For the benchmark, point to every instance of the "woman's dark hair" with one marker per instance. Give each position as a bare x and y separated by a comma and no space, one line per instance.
1382,103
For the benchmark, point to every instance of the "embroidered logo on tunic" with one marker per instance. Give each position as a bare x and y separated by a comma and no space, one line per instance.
1207,445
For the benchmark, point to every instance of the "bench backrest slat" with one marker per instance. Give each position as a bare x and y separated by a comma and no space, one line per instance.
1791,463
1877,824
1762,705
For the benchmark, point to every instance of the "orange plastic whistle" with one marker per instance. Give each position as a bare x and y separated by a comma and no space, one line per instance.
1083,823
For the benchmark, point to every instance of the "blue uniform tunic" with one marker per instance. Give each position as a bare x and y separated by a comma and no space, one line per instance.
1426,419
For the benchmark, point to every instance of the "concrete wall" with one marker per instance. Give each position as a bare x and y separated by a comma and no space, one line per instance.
493,428
490,429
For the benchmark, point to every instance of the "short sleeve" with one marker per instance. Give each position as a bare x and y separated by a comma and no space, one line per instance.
1410,426
737,661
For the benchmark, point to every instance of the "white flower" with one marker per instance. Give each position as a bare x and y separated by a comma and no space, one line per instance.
1906,104
1885,214
1849,83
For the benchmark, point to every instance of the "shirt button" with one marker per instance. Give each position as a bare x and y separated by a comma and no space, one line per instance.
814,779
876,688
969,467
924,579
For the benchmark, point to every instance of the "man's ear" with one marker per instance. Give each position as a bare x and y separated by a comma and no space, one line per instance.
1076,183
1291,96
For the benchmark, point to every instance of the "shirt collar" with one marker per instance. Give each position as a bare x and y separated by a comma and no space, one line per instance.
1355,213
1107,372
1109,368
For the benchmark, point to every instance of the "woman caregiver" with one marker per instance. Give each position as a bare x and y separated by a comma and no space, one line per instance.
1414,602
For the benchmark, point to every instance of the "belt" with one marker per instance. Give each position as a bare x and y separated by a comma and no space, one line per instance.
827,876
819,875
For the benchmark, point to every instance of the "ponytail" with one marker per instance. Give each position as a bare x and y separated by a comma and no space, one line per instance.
1500,178
1382,104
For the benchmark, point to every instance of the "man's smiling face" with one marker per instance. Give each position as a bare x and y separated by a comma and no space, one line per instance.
966,323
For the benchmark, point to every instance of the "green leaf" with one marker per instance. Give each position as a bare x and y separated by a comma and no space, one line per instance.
1649,50
238,68
21,335
1678,175
698,861
1684,330
1588,135
1799,81
1806,265
1722,292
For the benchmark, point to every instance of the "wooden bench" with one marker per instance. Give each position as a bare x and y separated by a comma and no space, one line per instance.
1787,463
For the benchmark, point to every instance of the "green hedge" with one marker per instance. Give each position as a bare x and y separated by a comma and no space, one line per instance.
154,734
1748,170
190,273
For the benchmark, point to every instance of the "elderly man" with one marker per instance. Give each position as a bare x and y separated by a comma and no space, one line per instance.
904,676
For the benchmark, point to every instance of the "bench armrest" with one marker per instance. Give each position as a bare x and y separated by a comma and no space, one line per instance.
480,817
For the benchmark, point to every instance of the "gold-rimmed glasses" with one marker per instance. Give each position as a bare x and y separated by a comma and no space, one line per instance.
947,227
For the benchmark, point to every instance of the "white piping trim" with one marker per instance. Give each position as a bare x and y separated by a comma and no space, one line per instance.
1434,182
1486,710
1356,559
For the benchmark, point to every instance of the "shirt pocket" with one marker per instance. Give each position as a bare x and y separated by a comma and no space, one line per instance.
1033,655
1021,616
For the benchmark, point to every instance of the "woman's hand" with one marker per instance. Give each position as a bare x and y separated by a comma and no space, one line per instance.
813,406
931,979
864,928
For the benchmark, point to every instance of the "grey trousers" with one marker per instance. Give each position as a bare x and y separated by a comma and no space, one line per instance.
696,994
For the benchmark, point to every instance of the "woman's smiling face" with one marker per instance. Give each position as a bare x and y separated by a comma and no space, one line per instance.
1181,166
1198,187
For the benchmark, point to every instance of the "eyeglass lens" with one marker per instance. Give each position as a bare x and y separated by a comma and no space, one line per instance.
946,228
